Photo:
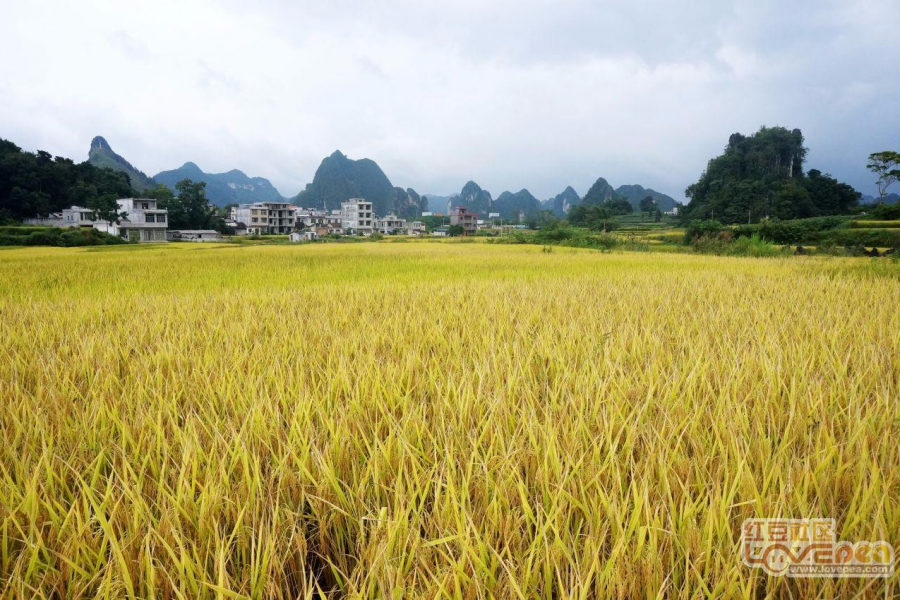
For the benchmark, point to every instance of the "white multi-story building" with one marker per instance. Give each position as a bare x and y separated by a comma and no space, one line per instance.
265,217
389,224
144,221
310,217
415,228
357,216
76,216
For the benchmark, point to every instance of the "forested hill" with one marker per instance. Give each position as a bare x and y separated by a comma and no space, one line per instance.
339,178
36,183
762,175
102,155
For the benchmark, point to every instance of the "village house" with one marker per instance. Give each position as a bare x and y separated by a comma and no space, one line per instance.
194,235
465,219
310,218
390,224
303,236
415,228
143,221
265,217
357,216
76,216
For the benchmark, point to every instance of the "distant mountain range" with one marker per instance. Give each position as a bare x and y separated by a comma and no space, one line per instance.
889,199
102,155
522,203
233,187
339,178
602,191
635,193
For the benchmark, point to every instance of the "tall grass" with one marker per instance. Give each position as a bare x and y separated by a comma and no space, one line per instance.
436,420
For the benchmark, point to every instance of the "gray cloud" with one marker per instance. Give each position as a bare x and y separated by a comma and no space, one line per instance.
529,93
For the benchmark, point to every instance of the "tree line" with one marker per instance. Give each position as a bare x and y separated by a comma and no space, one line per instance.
36,184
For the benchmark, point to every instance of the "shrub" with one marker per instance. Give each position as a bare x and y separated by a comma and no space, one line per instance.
726,245
44,238
793,231
89,237
886,212
555,234
56,236
698,229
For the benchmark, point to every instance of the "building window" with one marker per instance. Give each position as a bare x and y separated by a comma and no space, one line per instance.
151,218
161,218
145,205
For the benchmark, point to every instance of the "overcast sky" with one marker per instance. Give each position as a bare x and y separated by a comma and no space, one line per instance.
512,93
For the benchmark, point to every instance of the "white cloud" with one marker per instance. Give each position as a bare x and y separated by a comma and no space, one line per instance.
534,94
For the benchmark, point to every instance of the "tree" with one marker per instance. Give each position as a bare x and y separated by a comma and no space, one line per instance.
791,201
455,230
105,208
828,195
161,193
886,165
190,209
618,206
594,217
545,218
647,205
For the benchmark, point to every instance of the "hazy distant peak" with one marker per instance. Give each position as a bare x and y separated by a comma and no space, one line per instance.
102,155
100,143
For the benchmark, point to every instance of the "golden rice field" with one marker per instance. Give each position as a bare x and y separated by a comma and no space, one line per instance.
437,420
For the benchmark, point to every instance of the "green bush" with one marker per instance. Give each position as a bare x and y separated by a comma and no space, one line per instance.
44,238
886,212
698,229
574,237
794,231
555,234
56,236
88,237
726,245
